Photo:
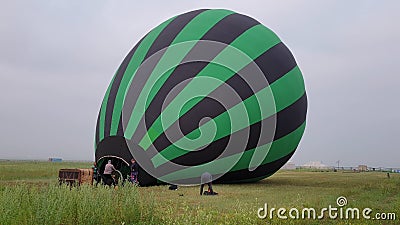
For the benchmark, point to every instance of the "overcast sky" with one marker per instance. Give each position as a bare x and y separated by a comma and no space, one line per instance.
58,57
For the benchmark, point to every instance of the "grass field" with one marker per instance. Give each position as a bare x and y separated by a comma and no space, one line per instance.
29,194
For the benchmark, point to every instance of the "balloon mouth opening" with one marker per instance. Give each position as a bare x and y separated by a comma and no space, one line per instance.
116,149
122,167
113,148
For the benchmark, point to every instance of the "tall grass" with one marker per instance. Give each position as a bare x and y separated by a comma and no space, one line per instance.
23,204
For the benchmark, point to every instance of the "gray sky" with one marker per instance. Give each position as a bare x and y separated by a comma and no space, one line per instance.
58,57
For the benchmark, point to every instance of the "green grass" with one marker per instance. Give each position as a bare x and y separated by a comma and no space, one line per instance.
34,171
29,194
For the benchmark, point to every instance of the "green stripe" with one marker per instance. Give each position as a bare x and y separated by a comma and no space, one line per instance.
228,57
130,72
103,110
292,81
280,148
194,30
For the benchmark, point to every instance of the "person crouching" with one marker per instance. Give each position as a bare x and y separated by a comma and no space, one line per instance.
206,178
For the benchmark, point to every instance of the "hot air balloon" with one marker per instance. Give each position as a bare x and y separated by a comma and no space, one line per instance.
209,90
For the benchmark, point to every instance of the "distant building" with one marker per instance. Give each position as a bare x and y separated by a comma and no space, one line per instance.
55,159
362,168
315,165
289,166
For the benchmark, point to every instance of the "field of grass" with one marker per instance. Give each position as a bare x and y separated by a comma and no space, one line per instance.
29,194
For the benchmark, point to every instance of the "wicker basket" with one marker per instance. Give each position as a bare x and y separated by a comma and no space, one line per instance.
75,176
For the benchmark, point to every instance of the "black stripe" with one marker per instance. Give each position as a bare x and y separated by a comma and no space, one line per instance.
229,28
291,117
225,31
172,30
189,121
276,62
97,135
164,39
120,131
287,121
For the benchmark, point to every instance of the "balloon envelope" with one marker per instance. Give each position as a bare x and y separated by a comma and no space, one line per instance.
209,90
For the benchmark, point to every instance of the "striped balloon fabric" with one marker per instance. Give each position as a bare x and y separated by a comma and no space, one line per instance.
209,90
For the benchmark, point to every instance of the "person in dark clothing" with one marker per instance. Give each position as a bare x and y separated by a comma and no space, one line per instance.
206,178
96,175
173,187
134,171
